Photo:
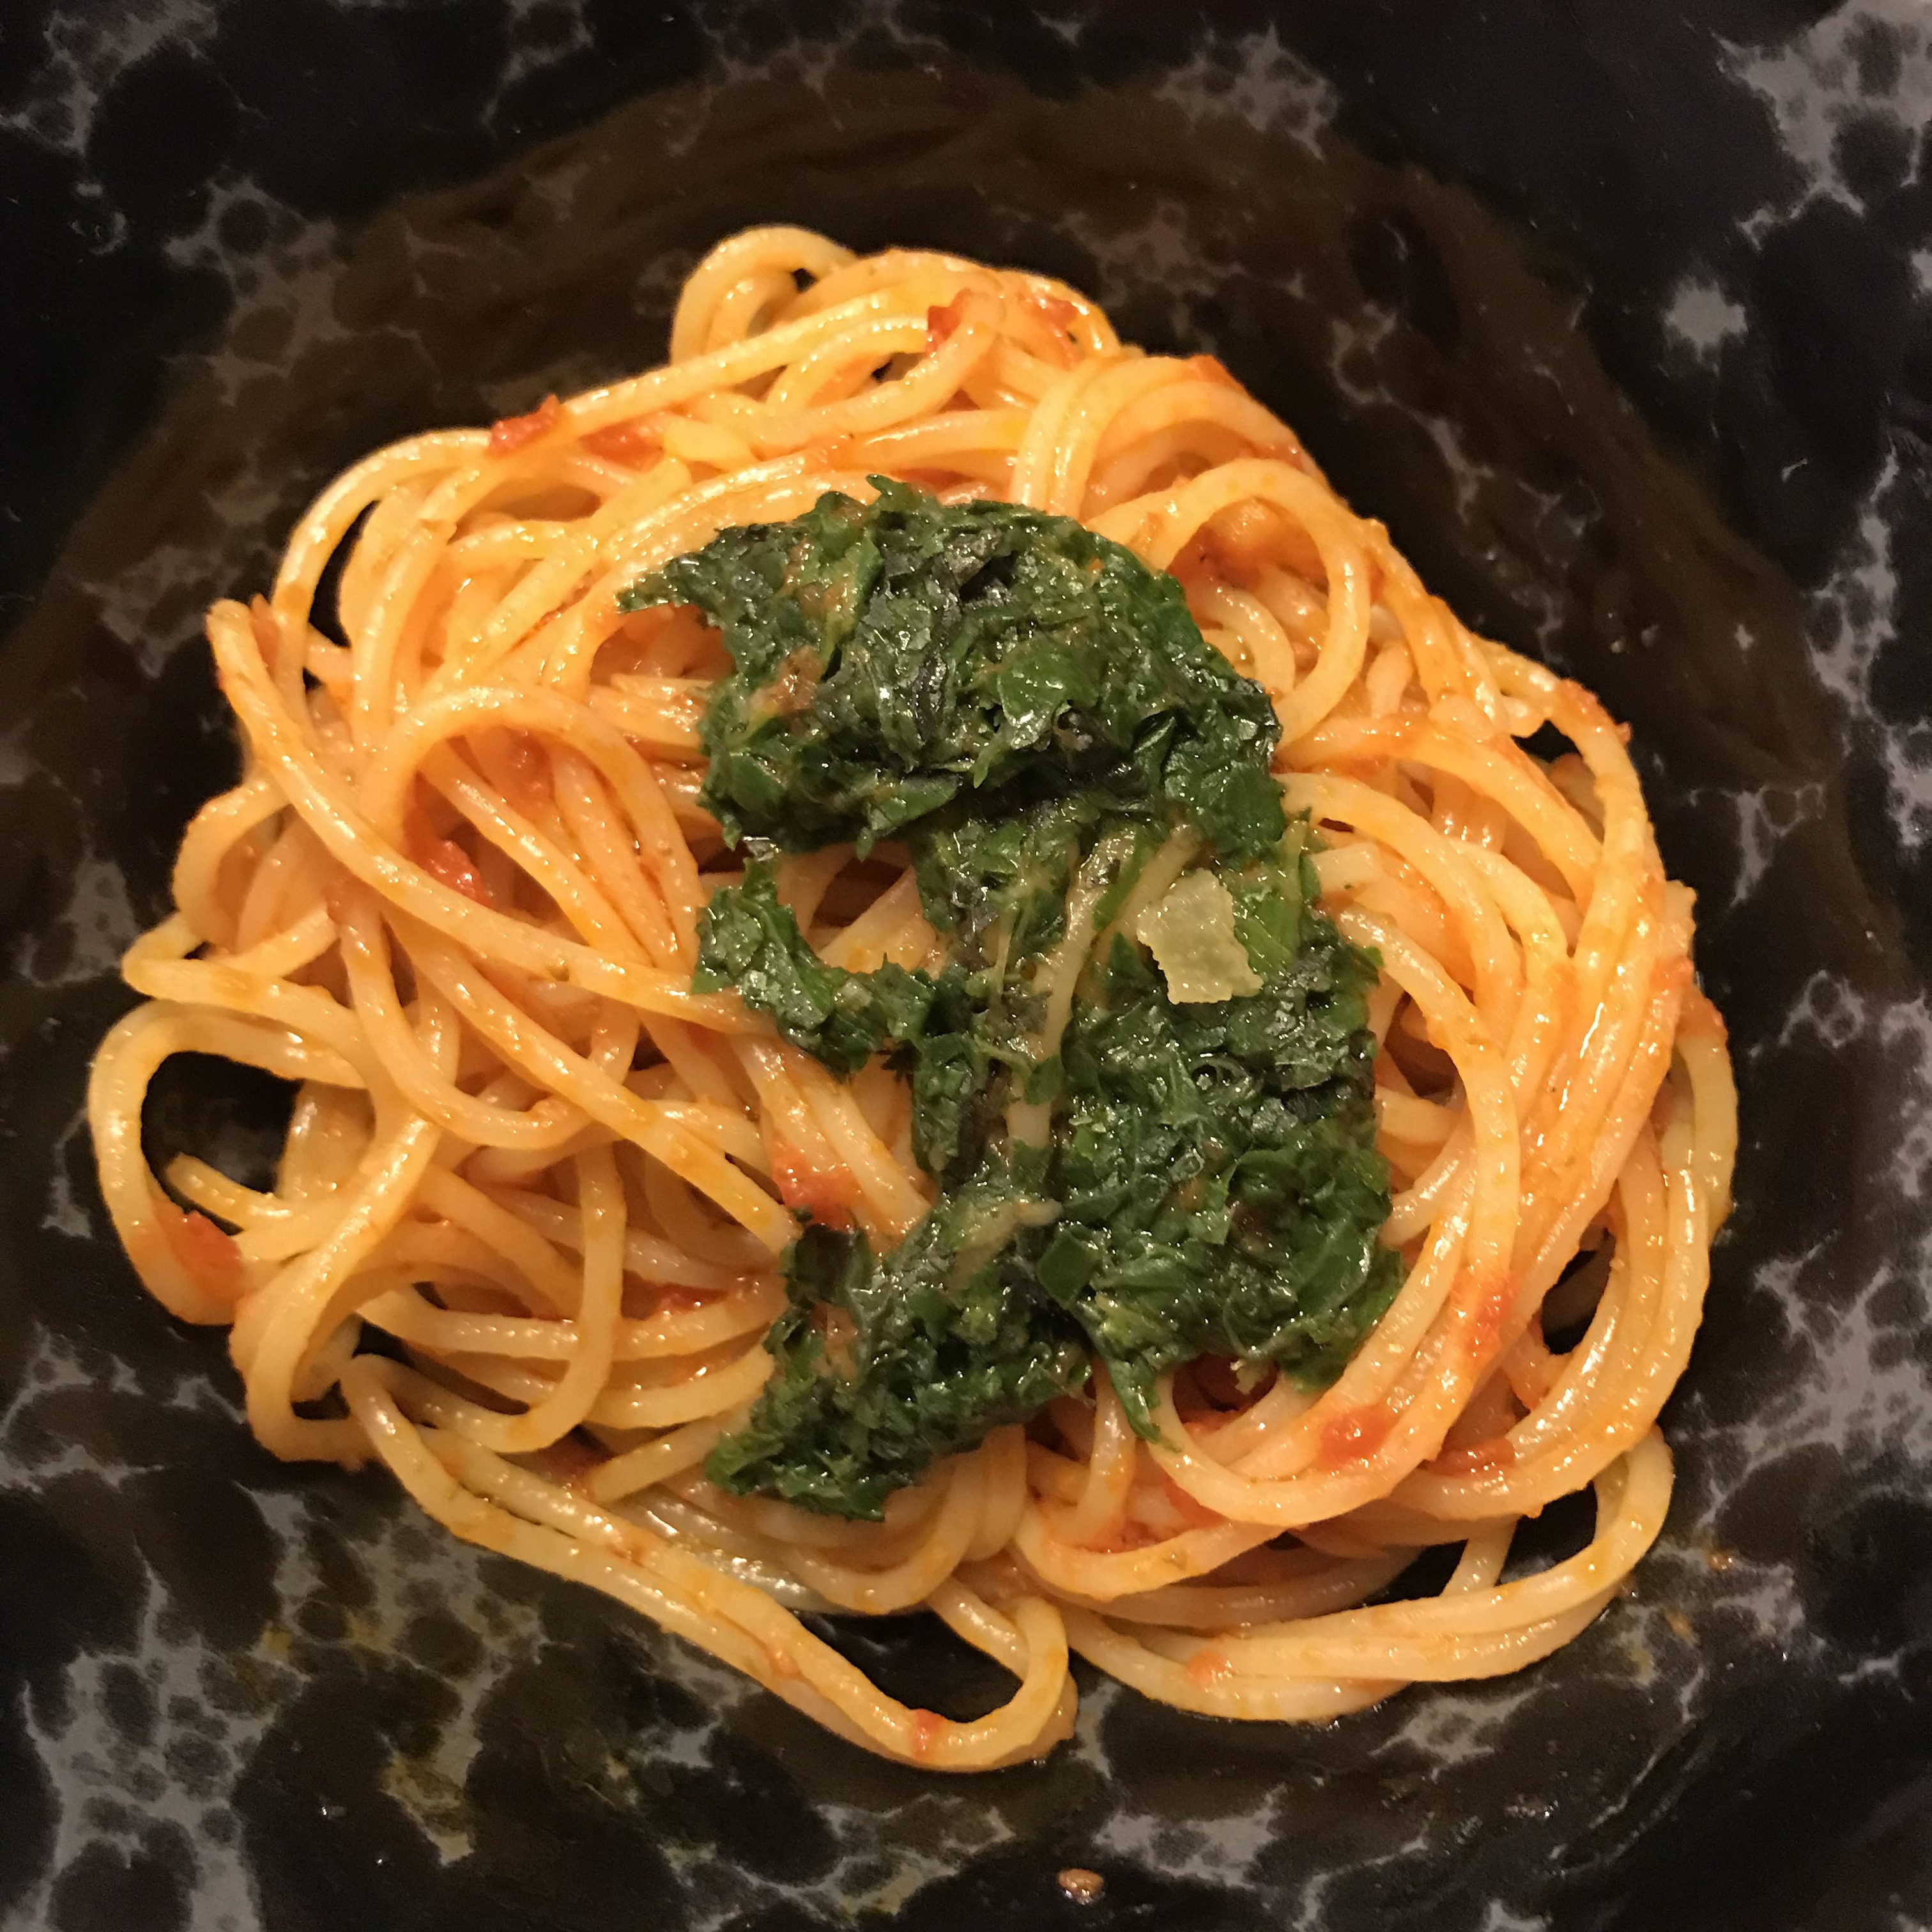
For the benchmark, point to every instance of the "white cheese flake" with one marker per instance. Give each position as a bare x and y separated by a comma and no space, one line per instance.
1191,934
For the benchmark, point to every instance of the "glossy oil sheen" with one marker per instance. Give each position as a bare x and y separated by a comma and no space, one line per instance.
1618,316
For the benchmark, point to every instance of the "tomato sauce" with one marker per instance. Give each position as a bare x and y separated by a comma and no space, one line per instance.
1491,1318
1479,1459
511,434
212,1260
445,860
631,443
826,1194
943,319
1354,1435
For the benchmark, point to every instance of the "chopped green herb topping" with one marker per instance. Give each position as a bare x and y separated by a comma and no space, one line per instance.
752,944
941,1340
894,657
1034,714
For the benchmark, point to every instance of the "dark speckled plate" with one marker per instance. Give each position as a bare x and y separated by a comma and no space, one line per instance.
1620,315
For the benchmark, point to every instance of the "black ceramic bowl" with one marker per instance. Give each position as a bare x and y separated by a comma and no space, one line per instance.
1620,316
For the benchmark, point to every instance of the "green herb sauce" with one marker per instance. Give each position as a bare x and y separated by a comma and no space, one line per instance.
1033,713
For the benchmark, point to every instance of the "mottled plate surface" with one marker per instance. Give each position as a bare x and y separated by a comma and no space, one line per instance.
1620,316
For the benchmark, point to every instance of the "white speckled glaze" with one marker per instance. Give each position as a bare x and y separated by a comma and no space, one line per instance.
1622,321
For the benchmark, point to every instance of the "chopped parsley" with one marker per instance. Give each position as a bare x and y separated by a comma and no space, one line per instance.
1033,713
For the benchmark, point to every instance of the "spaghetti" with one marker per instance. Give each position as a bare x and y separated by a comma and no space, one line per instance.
457,898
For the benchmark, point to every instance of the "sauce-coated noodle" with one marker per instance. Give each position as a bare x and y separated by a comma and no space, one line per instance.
455,899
